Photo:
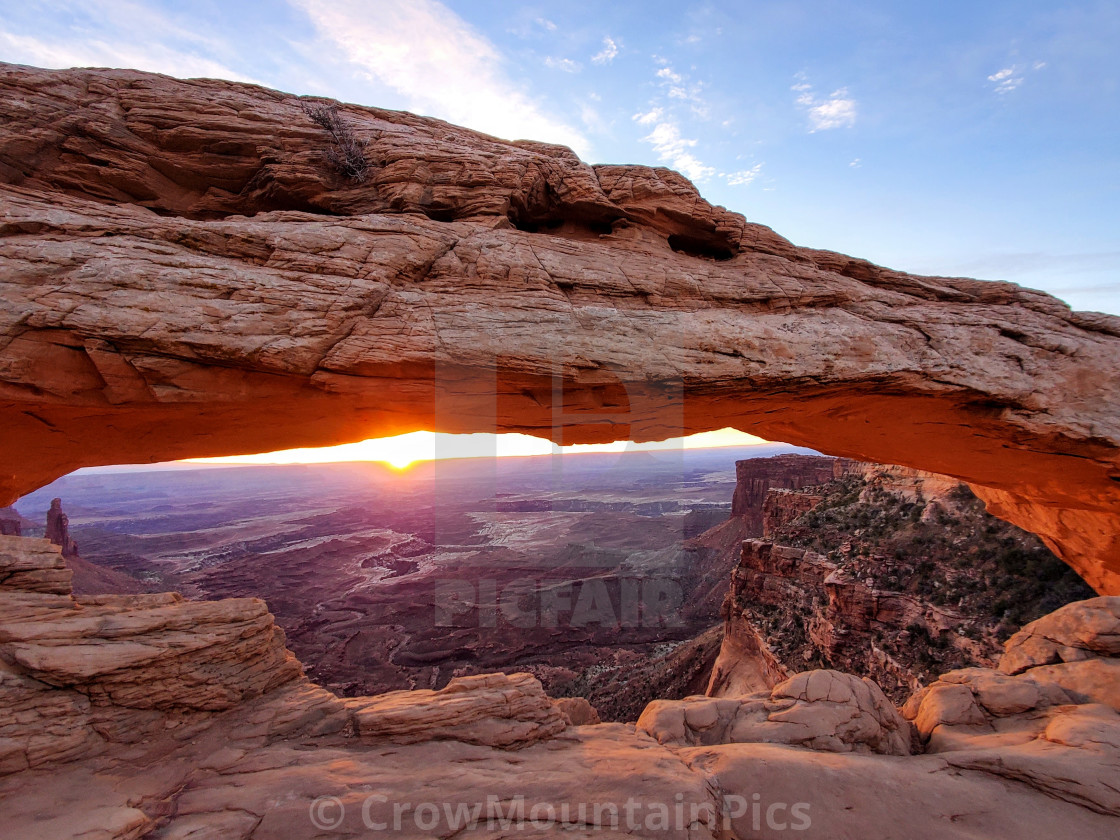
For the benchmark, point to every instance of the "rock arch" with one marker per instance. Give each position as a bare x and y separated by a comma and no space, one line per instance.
184,275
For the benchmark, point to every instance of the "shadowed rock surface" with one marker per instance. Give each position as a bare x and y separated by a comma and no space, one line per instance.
179,260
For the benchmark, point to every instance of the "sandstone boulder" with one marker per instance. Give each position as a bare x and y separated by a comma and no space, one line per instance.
496,710
577,711
32,565
1075,632
821,710
1076,647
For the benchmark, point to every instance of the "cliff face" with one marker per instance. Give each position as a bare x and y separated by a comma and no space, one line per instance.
179,260
888,572
755,477
11,523
781,507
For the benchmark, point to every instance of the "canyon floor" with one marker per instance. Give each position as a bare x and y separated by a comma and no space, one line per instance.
386,579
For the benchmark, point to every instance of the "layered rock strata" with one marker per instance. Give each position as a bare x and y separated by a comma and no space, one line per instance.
756,477
261,758
58,530
179,259
822,710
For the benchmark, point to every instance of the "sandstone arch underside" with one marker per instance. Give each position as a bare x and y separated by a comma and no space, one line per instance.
184,274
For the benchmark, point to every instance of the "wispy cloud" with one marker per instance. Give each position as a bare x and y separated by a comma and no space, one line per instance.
439,63
743,176
837,110
1011,78
1005,80
671,148
565,64
607,54
676,86
120,33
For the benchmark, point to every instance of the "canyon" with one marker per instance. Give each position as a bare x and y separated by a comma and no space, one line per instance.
379,577
888,572
152,716
185,274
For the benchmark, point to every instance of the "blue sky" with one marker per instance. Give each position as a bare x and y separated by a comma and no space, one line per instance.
979,139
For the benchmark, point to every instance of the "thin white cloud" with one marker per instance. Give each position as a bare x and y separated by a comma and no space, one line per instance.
439,63
837,110
673,149
1005,80
676,87
592,120
744,176
856,163
607,54
565,64
132,37
649,117
546,24
1011,78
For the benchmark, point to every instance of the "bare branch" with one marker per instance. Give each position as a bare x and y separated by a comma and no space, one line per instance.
347,153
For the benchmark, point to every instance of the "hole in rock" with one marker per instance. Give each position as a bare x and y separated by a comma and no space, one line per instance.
696,247
439,214
606,572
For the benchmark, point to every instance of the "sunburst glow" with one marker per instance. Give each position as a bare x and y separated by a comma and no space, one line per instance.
402,451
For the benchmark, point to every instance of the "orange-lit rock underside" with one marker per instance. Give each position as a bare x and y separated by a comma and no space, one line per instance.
183,275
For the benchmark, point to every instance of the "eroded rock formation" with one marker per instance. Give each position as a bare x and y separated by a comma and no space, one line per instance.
11,523
239,745
755,477
58,530
179,260
887,572
822,710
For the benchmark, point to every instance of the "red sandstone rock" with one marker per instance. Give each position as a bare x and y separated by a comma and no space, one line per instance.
837,612
30,565
822,710
11,523
780,507
474,285
74,764
491,709
58,530
755,477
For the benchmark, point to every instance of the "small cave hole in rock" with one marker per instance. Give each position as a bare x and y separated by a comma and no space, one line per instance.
696,247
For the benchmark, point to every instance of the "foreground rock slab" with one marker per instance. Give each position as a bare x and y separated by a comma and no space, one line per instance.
263,754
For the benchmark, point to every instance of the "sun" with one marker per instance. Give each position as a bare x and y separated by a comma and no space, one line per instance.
399,462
